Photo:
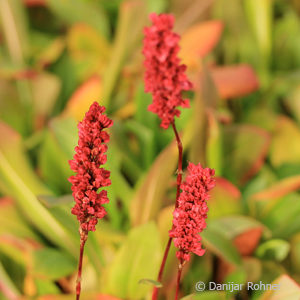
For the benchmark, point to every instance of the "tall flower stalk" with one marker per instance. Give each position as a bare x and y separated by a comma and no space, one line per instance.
90,176
165,79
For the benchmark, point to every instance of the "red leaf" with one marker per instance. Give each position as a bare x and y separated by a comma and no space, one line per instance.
34,2
247,242
234,81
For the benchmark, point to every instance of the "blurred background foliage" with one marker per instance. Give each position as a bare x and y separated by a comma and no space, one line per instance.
58,56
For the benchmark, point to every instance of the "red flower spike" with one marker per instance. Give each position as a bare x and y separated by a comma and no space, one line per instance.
164,77
189,217
89,156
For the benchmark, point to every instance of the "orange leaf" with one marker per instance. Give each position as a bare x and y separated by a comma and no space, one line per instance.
234,81
83,97
199,40
279,189
247,241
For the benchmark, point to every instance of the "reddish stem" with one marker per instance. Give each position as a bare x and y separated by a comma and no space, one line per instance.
179,179
83,238
179,169
178,280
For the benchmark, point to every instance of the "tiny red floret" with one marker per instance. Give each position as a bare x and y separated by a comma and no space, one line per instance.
165,77
191,212
89,156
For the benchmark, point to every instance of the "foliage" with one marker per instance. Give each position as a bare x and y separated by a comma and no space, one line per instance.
57,57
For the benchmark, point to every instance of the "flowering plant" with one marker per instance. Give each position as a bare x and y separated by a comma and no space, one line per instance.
89,178
165,79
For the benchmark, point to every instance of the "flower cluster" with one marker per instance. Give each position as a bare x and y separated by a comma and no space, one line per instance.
164,77
191,212
89,156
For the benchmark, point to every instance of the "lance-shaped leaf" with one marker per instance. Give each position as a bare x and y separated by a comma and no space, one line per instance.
125,271
18,180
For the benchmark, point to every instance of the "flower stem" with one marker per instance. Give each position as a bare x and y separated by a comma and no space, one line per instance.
179,169
178,280
179,179
83,238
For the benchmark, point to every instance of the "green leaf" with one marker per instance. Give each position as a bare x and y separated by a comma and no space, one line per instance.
225,199
12,222
74,11
214,144
146,141
125,271
132,17
18,180
259,14
274,249
282,216
220,245
14,26
66,133
151,190
45,90
52,161
88,50
46,287
7,286
52,264
151,282
286,136
233,226
241,164
238,276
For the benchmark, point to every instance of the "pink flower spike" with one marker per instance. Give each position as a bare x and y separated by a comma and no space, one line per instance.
165,77
189,217
89,156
